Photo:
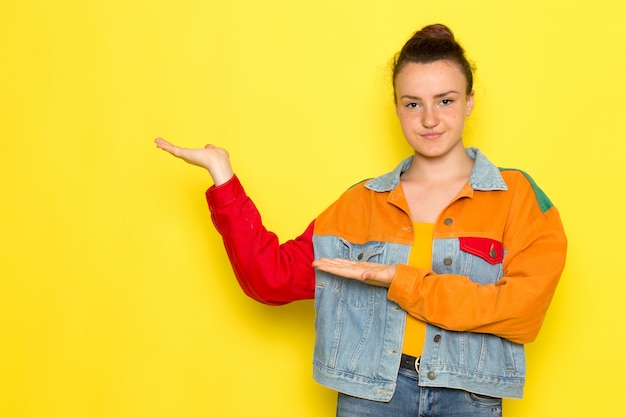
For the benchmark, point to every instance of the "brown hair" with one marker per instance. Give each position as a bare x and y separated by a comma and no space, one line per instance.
433,43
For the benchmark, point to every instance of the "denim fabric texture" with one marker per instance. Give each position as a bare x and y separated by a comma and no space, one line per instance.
359,332
500,229
411,400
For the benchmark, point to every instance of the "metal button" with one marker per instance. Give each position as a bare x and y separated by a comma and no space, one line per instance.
437,338
360,256
431,375
447,221
447,261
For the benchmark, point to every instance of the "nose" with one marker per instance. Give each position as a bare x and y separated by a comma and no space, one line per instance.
430,117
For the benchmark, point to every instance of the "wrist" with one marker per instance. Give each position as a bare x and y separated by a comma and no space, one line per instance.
221,176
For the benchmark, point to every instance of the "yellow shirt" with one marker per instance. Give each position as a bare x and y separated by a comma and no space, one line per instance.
420,257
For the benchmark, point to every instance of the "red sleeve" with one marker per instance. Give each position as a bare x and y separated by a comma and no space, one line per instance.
267,271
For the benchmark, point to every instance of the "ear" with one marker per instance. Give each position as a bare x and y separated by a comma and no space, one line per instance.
470,103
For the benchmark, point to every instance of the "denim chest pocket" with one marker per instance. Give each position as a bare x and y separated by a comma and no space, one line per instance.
482,259
355,293
478,258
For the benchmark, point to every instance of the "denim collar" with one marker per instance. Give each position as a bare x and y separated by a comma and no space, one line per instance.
485,176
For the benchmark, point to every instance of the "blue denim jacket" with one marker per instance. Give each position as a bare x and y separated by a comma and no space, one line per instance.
359,332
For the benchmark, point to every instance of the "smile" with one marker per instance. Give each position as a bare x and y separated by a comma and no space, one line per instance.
431,135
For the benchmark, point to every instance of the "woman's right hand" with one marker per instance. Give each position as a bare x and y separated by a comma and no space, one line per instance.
212,158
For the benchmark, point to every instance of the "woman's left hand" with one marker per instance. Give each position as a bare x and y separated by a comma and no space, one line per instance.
371,273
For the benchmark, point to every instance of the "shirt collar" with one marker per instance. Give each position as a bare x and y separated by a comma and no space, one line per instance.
485,175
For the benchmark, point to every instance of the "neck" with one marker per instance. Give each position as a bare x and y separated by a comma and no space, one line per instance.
451,166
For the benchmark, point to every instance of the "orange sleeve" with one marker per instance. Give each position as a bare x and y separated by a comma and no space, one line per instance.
513,308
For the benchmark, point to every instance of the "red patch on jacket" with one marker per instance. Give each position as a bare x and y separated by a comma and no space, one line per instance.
488,249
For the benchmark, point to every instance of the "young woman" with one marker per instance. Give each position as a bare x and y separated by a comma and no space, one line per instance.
427,280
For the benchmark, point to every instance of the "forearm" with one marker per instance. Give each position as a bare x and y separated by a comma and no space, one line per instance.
513,308
453,302
267,271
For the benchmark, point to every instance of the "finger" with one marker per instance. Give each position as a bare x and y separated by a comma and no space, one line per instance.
163,144
341,270
171,148
336,261
326,263
161,141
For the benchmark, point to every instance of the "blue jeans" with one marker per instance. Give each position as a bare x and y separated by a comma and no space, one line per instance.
411,400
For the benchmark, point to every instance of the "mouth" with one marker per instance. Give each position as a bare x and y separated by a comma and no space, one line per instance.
431,135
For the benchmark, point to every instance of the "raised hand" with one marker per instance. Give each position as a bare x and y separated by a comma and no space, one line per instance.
371,273
214,159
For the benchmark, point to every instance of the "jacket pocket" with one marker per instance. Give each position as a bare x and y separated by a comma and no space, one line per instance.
489,250
481,259
355,293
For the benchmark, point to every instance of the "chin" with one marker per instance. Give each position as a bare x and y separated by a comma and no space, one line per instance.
431,152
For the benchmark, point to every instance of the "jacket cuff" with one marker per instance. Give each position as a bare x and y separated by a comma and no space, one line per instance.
402,284
402,289
221,195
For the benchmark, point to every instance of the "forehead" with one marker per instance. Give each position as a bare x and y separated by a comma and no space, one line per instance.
430,79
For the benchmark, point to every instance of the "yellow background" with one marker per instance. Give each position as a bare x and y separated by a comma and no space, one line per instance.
116,296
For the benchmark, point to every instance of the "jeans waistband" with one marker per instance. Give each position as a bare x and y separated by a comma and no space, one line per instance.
410,362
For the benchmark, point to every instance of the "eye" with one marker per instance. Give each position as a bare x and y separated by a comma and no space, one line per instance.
411,105
447,101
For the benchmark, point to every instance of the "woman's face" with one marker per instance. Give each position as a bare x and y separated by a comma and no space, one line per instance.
432,104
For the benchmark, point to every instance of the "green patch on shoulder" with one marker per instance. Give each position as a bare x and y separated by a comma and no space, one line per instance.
542,199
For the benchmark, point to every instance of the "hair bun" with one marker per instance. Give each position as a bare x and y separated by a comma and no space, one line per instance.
433,43
435,31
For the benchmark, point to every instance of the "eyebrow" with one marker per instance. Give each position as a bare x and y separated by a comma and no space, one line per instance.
440,95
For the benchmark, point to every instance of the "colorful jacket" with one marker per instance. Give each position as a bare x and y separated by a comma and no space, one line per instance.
498,252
